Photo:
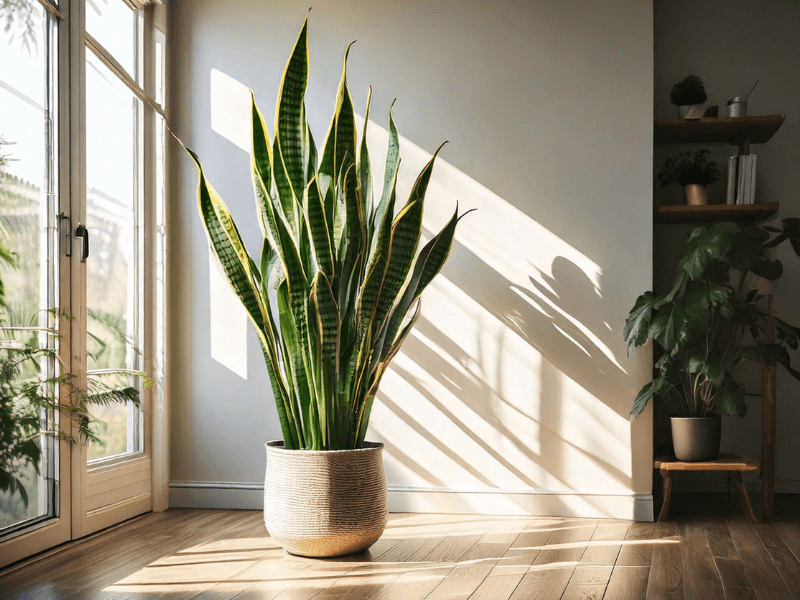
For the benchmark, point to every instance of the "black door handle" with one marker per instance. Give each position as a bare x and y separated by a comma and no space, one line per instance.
82,232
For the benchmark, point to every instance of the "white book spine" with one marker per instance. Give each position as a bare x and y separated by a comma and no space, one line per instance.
740,175
753,163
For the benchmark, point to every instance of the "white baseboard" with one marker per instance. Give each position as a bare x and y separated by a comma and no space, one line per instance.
247,495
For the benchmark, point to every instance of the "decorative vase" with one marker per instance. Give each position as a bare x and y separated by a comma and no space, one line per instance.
696,194
325,503
696,439
690,111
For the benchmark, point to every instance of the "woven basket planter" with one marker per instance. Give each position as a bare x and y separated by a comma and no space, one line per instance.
325,503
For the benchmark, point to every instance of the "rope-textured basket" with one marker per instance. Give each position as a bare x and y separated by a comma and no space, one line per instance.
325,503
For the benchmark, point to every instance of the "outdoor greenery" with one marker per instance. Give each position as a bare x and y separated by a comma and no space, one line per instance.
689,167
713,319
338,272
689,90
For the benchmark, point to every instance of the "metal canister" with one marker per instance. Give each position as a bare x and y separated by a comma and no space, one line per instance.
737,107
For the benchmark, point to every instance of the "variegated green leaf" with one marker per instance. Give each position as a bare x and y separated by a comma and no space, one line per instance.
319,229
340,143
290,120
364,167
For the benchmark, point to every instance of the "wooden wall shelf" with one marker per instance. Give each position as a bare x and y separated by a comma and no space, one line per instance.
732,130
714,213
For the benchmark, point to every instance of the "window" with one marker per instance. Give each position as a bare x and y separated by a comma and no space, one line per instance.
82,207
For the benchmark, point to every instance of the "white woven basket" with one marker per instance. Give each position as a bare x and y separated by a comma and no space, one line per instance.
325,503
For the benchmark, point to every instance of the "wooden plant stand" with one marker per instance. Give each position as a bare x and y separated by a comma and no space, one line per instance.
726,462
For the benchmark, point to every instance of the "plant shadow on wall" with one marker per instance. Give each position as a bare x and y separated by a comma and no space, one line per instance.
526,436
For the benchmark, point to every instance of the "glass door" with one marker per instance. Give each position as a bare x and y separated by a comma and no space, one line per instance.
34,356
82,305
114,469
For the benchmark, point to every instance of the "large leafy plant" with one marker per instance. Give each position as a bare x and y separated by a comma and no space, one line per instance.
338,272
713,319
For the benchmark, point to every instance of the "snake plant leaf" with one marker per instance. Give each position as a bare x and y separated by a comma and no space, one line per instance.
364,167
238,267
338,273
340,143
318,227
390,176
378,375
228,246
295,365
260,163
287,205
291,128
428,264
311,164
638,322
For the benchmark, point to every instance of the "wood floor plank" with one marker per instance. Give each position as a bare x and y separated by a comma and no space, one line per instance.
628,583
757,564
790,534
228,555
719,539
732,593
784,560
731,572
700,574
461,582
665,581
587,583
567,543
637,549
497,587
605,544
543,583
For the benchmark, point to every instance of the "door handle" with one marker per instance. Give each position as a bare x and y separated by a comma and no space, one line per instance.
82,232
66,241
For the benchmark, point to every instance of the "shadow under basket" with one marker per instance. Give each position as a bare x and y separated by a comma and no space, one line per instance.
325,503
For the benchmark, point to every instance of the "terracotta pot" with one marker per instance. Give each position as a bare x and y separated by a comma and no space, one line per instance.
325,503
696,438
696,194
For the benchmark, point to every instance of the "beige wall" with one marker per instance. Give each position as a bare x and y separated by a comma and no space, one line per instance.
730,45
513,393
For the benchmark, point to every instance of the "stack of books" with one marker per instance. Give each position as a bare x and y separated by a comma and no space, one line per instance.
741,179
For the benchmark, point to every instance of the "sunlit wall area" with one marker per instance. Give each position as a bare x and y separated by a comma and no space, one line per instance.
512,394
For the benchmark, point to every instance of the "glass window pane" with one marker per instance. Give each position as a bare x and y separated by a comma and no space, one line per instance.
114,24
114,267
28,206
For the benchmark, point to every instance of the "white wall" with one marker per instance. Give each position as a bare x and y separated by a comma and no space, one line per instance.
730,45
513,393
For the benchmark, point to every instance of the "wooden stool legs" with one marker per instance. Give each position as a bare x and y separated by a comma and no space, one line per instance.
744,498
667,477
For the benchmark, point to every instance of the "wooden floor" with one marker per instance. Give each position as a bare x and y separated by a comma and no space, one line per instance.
196,554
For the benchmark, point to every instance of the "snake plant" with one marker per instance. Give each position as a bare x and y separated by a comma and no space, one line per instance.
337,287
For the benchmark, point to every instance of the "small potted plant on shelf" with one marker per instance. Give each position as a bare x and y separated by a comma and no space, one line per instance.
334,294
708,326
689,95
694,172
